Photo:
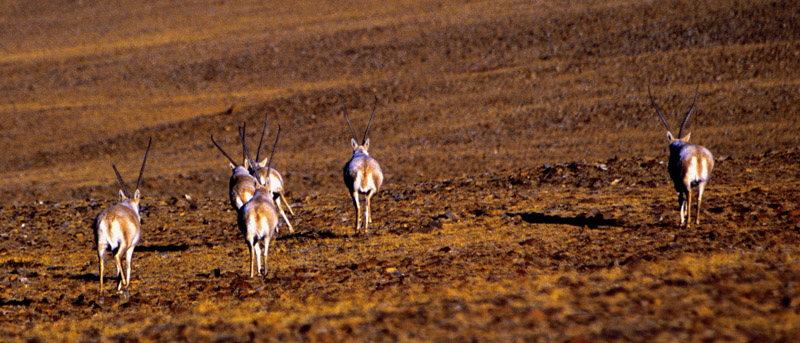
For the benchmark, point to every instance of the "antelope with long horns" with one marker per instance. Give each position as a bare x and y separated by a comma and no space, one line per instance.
242,185
689,164
118,228
258,218
258,169
362,174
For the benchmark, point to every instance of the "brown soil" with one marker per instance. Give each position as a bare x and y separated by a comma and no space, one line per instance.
526,195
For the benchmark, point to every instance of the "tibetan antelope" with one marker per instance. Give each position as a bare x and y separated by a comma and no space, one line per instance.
258,218
242,185
118,228
689,164
362,174
258,168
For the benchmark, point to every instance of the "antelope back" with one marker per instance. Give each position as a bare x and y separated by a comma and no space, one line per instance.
275,179
363,173
242,189
259,216
694,163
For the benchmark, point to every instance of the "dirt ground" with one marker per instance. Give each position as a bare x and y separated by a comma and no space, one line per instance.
526,196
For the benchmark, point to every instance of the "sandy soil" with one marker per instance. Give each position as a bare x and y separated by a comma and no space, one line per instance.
526,196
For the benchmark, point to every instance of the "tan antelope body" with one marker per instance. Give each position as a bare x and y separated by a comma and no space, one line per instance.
242,185
258,169
258,220
689,164
362,174
118,228
275,186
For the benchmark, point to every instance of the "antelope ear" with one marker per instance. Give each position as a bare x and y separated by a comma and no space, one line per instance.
122,196
353,143
136,196
670,137
233,167
264,161
366,144
686,138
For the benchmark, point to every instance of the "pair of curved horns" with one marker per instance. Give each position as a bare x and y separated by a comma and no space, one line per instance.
344,110
685,119
141,171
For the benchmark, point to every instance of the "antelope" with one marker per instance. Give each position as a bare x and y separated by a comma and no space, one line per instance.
689,164
118,228
258,219
242,185
362,174
258,169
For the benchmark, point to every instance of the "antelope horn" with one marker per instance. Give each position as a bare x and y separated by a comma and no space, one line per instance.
223,151
258,152
658,111
344,110
680,132
269,163
242,130
245,151
370,120
121,182
141,171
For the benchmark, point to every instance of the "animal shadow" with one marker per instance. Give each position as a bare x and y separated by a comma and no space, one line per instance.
311,234
162,248
90,277
591,222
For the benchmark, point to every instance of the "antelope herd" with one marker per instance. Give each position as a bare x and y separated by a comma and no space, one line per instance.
257,193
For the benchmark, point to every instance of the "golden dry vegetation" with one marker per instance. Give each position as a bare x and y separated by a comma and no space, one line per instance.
526,194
